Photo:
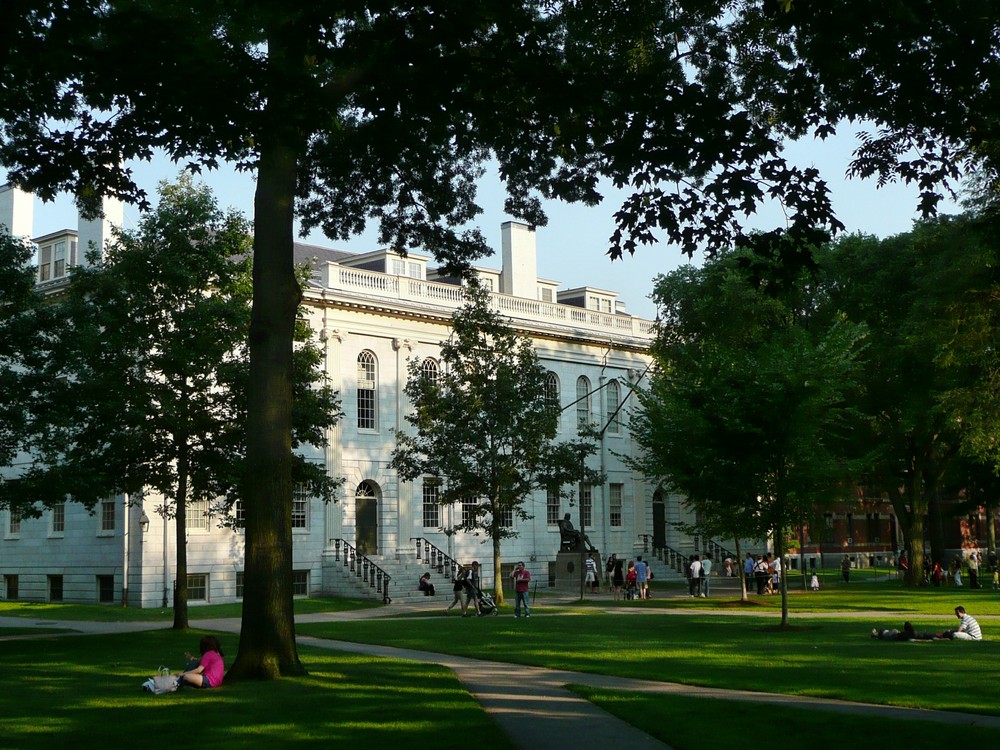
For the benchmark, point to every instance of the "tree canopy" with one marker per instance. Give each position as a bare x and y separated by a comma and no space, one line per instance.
140,378
748,414
385,112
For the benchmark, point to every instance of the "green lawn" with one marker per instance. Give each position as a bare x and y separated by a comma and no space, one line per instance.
883,596
107,613
84,692
832,658
690,723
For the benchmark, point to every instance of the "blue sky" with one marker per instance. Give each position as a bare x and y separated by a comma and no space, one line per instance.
571,249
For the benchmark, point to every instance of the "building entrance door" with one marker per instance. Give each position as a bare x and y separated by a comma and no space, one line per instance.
659,521
366,513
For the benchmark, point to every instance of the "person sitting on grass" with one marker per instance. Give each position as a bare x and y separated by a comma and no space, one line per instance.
908,633
968,629
210,669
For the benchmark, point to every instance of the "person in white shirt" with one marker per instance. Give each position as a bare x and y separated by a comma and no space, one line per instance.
694,576
968,628
706,571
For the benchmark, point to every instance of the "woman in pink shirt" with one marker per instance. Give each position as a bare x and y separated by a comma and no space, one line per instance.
210,669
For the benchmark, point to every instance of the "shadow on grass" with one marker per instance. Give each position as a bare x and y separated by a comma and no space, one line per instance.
109,613
826,658
85,691
692,723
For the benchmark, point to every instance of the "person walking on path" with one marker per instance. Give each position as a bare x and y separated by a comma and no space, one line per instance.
974,570
845,569
522,580
760,575
609,571
618,579
641,576
694,576
459,590
706,572
748,571
590,565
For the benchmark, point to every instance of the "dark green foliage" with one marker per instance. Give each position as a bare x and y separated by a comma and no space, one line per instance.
928,298
748,414
142,375
19,307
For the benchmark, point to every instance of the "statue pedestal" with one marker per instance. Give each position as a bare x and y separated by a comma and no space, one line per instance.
571,570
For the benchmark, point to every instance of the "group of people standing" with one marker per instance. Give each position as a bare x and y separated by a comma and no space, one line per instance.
935,574
627,582
466,589
699,575
764,571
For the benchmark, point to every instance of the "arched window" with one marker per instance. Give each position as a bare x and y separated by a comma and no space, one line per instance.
552,387
582,402
429,370
367,391
614,401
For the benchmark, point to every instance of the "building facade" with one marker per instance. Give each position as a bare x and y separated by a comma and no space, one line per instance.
372,313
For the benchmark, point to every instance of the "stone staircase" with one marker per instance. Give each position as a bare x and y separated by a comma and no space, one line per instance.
353,581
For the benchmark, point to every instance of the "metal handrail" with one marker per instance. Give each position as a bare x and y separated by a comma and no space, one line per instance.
436,558
364,568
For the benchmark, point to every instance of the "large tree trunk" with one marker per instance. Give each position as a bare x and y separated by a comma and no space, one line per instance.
180,531
934,522
497,577
267,637
738,569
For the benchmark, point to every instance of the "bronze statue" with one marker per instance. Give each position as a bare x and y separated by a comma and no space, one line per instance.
571,540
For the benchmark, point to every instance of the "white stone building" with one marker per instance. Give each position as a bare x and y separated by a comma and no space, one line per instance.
372,312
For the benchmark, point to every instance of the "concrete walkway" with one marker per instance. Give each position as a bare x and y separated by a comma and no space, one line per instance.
531,704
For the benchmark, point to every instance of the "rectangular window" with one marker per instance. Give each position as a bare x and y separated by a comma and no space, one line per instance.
59,518
468,512
10,587
55,588
366,408
587,504
106,589
872,524
397,267
59,260
432,518
551,507
45,263
241,515
239,584
415,270
300,583
197,515
506,518
107,515
367,391
197,587
615,493
300,507
545,294
14,521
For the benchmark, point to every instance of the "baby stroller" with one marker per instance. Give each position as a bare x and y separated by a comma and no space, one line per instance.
629,591
487,605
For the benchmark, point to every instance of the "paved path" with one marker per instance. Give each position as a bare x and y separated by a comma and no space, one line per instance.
531,704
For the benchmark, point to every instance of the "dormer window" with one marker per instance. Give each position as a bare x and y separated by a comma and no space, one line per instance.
55,259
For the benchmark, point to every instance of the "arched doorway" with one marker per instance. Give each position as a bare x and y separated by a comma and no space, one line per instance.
366,518
659,521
